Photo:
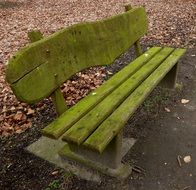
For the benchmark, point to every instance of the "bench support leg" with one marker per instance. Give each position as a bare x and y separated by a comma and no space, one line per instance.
138,48
111,157
59,101
109,162
169,81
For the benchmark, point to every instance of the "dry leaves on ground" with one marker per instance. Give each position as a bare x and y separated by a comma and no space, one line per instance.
16,117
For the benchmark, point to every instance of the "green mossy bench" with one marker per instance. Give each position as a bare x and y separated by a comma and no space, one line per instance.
92,129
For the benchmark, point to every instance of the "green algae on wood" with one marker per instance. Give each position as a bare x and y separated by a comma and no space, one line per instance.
72,115
57,96
138,48
116,121
137,45
71,50
86,125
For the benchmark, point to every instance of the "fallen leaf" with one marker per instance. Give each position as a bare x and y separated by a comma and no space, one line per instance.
167,110
185,101
109,73
187,159
55,172
18,131
18,116
30,111
12,108
5,134
4,109
27,125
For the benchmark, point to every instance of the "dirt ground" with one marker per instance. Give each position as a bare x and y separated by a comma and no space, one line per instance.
164,127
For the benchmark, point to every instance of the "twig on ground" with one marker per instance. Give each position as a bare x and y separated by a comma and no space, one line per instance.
138,169
179,160
187,187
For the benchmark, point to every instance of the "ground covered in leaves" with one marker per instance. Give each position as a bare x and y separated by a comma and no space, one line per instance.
171,23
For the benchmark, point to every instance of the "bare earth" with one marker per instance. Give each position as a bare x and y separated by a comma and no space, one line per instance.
165,127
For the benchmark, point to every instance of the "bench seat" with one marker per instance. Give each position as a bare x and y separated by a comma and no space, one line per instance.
97,119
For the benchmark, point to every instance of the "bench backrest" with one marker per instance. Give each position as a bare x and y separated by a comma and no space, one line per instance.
39,69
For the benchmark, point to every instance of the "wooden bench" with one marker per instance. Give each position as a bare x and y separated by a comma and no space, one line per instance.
93,127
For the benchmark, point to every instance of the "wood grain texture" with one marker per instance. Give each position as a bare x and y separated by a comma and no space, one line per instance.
87,124
116,121
31,72
72,115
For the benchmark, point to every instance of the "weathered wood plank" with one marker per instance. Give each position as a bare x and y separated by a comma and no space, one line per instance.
87,124
66,120
114,123
71,50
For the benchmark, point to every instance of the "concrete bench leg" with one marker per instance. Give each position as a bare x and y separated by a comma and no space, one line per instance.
169,81
109,162
60,153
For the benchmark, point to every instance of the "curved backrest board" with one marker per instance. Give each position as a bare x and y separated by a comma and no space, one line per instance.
37,70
